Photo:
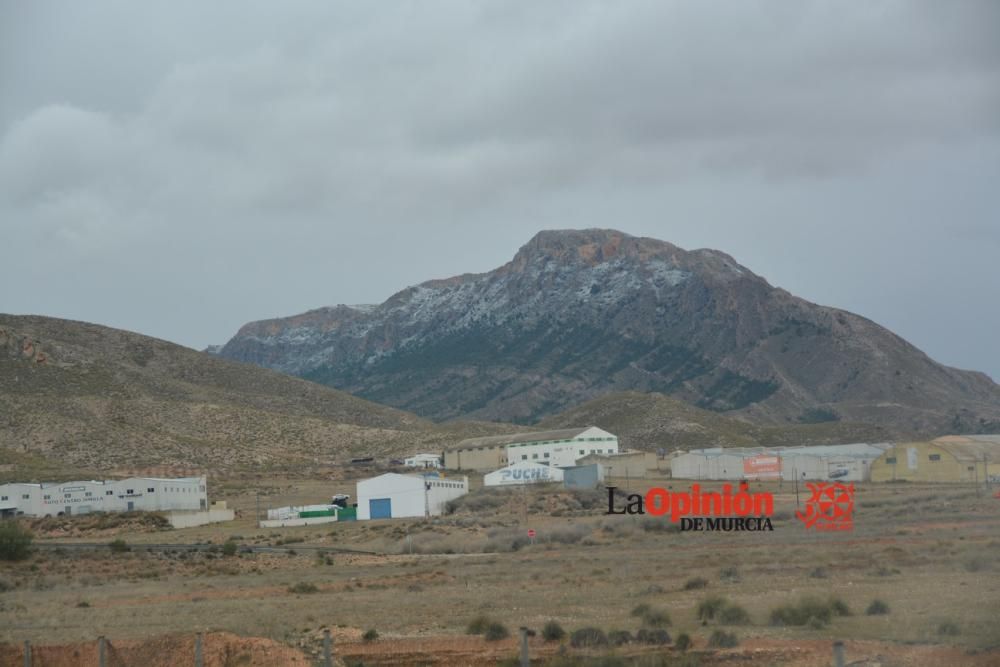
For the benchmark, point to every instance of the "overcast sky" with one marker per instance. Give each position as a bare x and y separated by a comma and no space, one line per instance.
179,169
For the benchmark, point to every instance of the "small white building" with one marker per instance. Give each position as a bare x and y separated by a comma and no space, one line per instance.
423,461
392,496
151,494
523,472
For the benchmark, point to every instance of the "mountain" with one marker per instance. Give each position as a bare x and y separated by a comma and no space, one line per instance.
580,313
82,397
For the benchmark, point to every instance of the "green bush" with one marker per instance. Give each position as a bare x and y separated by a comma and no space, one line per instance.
656,636
229,548
619,637
877,608
495,632
722,639
807,609
118,546
710,607
588,637
552,632
683,641
15,541
734,615
641,609
303,588
695,584
478,625
370,635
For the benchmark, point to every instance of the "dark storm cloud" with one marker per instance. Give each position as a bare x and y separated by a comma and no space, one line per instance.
180,168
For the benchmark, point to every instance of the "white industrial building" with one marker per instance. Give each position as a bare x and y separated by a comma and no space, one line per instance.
848,463
392,496
523,472
559,448
423,461
151,494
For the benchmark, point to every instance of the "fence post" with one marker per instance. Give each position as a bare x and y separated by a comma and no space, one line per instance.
838,654
27,653
327,652
100,652
198,661
525,657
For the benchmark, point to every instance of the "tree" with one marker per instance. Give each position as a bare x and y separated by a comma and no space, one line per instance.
15,541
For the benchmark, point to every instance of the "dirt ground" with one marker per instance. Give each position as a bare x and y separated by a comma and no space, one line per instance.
931,554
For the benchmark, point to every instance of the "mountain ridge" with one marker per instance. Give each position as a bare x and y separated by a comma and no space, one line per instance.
579,313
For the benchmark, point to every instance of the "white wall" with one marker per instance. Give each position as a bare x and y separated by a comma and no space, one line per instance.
523,472
563,454
423,461
83,497
407,493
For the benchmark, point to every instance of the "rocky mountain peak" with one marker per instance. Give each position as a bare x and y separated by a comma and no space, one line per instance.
579,313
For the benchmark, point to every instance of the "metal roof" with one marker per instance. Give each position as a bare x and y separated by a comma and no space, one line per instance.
971,447
516,438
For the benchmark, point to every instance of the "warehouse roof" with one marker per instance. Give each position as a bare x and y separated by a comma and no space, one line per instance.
513,438
971,447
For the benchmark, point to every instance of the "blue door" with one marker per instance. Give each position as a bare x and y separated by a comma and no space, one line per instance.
380,508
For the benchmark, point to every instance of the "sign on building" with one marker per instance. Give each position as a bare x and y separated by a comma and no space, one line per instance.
762,466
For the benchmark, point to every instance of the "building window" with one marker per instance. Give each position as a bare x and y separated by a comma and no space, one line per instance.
5,497
45,497
88,494
581,452
890,459
129,492
150,490
524,457
109,493
534,456
934,457
67,495
546,455
25,496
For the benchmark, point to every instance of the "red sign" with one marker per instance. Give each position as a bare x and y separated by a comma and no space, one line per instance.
531,533
764,466
830,507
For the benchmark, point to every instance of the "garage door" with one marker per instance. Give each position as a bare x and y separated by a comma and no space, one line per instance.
380,508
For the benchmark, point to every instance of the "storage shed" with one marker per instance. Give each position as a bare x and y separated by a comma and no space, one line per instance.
392,496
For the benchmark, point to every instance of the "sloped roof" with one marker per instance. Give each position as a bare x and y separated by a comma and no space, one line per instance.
971,447
538,436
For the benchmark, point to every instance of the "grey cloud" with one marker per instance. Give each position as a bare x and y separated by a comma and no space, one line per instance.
180,168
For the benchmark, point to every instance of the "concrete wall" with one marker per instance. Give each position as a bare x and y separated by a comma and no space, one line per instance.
194,518
296,521
482,459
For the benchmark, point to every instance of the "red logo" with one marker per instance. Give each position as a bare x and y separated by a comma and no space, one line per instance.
531,533
831,506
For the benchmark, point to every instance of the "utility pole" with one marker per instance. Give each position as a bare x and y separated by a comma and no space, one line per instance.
795,470
427,502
